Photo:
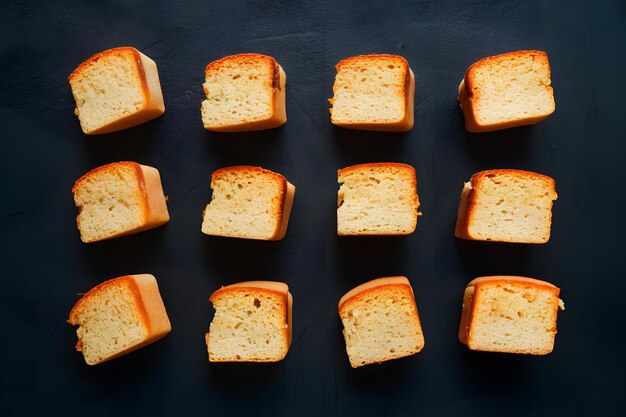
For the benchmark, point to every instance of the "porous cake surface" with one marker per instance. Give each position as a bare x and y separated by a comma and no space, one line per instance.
247,202
108,87
241,90
510,314
251,323
510,87
371,89
507,205
110,200
109,319
377,199
380,321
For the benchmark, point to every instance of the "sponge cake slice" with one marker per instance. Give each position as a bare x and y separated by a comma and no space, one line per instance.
244,92
119,199
510,314
119,316
248,202
380,321
373,92
507,90
252,322
116,89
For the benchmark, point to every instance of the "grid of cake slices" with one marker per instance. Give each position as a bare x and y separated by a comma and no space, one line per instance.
119,88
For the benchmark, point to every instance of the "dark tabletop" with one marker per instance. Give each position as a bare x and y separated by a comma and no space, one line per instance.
44,264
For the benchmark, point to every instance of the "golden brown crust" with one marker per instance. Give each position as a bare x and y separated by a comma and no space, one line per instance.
276,84
239,58
285,212
229,289
141,70
509,278
110,168
460,228
143,78
468,298
476,178
126,280
468,110
373,58
120,51
217,175
347,170
375,285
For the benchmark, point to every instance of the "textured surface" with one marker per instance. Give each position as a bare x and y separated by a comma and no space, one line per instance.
377,199
244,92
247,202
370,89
44,264
505,205
109,320
380,321
510,314
116,89
250,324
110,201
510,87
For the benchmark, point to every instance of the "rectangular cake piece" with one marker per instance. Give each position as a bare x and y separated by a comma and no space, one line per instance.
506,205
380,321
248,202
377,199
252,322
244,92
119,199
119,316
510,314
373,92
507,90
116,89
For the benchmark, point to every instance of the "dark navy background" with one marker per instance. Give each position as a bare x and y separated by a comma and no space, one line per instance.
44,264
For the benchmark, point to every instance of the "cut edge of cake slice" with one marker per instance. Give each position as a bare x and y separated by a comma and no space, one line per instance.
107,194
470,221
101,331
359,214
233,83
398,91
357,319
235,189
478,304
89,86
472,93
252,299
